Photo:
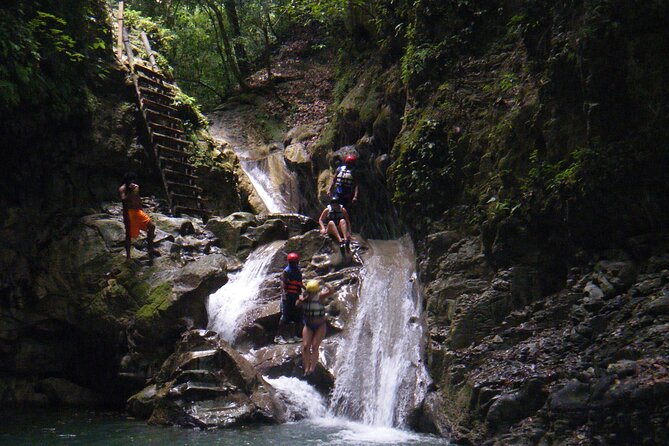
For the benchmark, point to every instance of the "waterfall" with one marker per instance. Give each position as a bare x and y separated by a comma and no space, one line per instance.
227,306
273,182
301,399
381,376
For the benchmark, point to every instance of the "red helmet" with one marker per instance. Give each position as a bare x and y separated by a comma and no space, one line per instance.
350,159
293,257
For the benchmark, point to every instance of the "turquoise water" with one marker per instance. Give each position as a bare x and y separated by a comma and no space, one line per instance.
72,427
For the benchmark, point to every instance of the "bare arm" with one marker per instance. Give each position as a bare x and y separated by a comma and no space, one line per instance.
333,181
284,279
325,292
322,218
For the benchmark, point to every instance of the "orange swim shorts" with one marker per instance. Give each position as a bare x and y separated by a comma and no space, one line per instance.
137,221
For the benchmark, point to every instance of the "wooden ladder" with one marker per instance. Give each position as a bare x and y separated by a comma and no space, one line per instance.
169,144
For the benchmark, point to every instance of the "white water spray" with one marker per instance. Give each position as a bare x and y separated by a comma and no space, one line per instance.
273,182
300,398
380,373
227,306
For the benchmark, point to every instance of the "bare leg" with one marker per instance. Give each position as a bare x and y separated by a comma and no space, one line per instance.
343,227
128,240
306,348
150,236
315,345
332,230
127,245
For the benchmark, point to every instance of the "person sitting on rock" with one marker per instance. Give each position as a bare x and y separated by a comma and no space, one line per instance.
134,218
313,318
291,278
344,185
334,221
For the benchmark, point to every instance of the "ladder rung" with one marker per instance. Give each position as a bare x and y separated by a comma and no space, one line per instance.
165,130
148,103
188,210
162,137
158,96
149,71
184,186
165,117
177,162
185,197
171,151
180,174
159,85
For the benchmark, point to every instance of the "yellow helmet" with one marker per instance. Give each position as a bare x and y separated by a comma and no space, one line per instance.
313,286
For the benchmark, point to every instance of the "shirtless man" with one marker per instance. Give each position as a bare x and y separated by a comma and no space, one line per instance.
134,218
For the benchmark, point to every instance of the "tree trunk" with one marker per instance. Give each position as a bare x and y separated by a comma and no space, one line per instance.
227,46
236,32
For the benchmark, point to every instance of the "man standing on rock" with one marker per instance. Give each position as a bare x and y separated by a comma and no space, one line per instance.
291,278
134,218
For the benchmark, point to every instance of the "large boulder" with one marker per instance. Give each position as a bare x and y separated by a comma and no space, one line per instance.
297,154
296,224
229,229
207,383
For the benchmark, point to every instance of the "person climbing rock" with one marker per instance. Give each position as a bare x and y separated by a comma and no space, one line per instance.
134,218
291,278
334,220
344,185
313,317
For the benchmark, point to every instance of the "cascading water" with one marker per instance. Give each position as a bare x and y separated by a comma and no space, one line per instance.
233,300
380,372
273,182
265,168
301,399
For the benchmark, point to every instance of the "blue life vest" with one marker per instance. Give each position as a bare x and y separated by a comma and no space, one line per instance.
344,181
293,282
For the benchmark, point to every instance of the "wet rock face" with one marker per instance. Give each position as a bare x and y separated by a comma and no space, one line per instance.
514,365
87,316
207,383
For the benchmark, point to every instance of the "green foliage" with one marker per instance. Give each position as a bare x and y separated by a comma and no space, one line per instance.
189,111
427,175
554,177
50,51
419,57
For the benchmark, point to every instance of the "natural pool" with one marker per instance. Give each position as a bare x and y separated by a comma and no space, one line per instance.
29,426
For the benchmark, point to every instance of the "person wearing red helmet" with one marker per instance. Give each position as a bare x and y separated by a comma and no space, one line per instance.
344,185
291,278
